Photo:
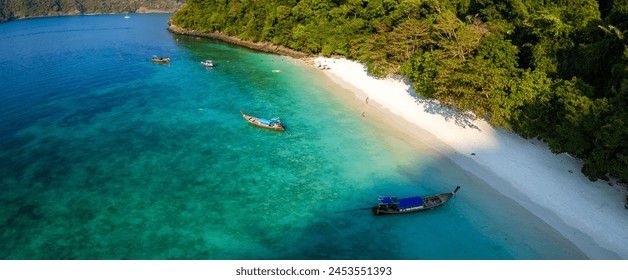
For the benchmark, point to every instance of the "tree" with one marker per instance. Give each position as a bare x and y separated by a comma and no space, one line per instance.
548,69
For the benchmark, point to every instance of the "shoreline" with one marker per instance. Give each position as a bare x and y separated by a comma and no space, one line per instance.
589,214
259,46
548,185
140,10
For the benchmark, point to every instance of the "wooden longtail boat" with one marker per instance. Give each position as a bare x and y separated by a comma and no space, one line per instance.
393,205
274,123
160,60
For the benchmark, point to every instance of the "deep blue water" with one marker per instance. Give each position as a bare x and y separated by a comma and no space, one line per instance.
106,155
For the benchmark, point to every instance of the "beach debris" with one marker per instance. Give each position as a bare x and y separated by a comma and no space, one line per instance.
322,66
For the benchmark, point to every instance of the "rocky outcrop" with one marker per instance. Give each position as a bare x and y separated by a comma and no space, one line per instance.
260,46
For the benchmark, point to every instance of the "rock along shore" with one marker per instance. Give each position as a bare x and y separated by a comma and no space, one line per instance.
260,46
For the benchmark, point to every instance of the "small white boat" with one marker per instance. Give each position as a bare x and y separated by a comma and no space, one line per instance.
207,63
127,16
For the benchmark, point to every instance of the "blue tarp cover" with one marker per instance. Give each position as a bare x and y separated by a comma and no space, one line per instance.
264,121
388,200
410,202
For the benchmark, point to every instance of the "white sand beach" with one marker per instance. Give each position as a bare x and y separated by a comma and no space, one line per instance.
551,186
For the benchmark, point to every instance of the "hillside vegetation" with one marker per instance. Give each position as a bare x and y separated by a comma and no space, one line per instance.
14,9
556,70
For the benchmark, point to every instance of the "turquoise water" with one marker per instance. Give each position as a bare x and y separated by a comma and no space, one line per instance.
105,155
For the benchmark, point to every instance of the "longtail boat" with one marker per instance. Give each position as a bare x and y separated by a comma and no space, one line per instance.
393,205
160,60
273,123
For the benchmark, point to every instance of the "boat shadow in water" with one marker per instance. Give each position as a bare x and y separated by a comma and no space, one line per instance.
272,124
393,205
357,234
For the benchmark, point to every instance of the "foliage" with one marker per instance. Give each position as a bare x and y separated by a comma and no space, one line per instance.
550,69
556,70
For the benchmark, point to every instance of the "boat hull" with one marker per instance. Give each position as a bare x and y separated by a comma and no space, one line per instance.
256,122
161,60
430,202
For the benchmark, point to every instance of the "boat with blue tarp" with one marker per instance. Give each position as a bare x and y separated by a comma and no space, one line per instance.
273,123
393,205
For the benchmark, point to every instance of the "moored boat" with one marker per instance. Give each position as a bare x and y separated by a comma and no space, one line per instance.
160,60
273,123
393,205
207,63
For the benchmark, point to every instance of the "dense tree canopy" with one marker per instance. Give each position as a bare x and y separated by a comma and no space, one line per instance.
550,69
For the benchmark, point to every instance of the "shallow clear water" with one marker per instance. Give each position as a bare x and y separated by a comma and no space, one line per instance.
105,155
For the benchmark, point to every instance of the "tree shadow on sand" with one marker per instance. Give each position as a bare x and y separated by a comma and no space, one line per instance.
432,106
461,119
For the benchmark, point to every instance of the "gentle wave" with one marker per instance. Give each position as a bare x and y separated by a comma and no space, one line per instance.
106,155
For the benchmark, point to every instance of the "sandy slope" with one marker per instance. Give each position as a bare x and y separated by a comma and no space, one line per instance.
590,214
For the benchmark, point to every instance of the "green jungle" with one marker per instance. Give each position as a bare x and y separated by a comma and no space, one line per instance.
556,70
